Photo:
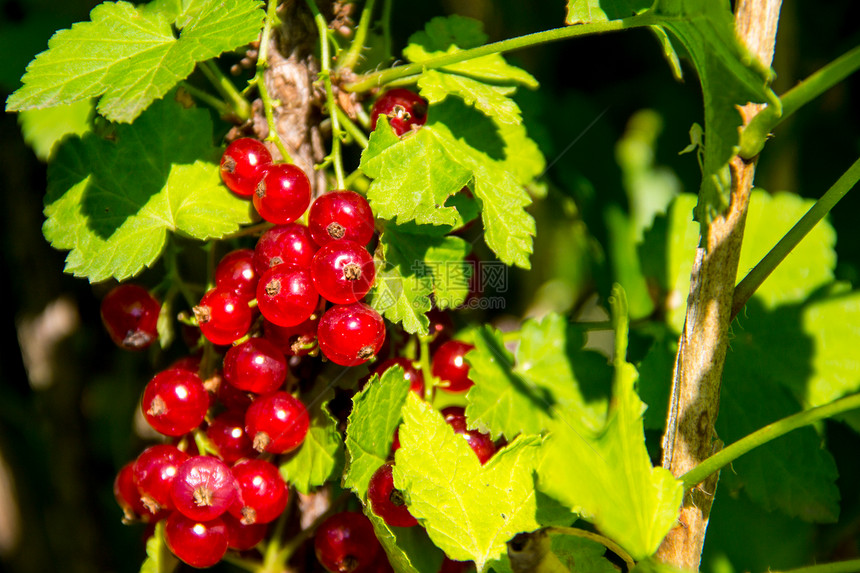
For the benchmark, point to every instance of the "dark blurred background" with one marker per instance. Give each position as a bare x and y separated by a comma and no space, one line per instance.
66,419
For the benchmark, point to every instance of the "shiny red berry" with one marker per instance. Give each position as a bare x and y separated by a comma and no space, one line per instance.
227,433
289,244
223,316
277,423
386,501
174,402
153,472
481,443
127,495
241,536
450,366
263,493
343,271
204,488
286,295
255,366
130,315
235,272
351,334
345,543
293,340
243,164
197,543
283,194
340,215
405,109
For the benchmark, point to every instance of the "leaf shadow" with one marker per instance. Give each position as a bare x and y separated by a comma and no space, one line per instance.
469,125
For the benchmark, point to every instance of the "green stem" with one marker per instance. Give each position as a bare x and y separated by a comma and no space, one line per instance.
351,129
350,59
762,270
851,566
756,133
219,106
386,29
240,106
606,542
764,435
374,79
260,79
430,381
331,103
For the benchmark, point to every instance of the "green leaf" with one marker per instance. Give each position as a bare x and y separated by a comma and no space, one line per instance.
320,457
442,32
409,549
112,201
552,378
159,559
130,56
469,511
492,100
370,427
412,266
608,474
44,128
588,11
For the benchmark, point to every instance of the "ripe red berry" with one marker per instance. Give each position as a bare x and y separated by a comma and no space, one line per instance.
197,543
293,340
235,272
263,493
450,366
130,314
204,488
481,443
232,398
277,423
241,536
343,271
416,379
154,470
283,194
340,215
350,334
243,164
227,433
286,295
289,244
223,316
174,402
386,501
127,495
345,542
404,109
256,366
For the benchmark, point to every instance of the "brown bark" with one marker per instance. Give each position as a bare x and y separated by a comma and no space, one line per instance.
690,436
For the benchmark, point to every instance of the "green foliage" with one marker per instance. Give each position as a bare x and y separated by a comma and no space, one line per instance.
44,128
130,56
159,559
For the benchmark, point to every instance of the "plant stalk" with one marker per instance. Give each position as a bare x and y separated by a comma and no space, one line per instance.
228,91
350,59
260,81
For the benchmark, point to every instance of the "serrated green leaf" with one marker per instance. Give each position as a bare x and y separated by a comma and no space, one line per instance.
129,56
409,549
469,511
321,455
44,128
370,427
442,32
159,559
492,100
111,202
588,11
608,474
412,266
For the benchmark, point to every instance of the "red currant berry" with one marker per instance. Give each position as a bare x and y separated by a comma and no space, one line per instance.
174,402
293,340
204,488
243,164
386,501
256,366
345,543
154,470
241,536
227,432
130,315
286,295
223,316
235,272
263,493
283,194
450,366
416,379
127,496
343,271
289,244
481,443
197,543
340,215
189,363
351,334
277,423
232,398
404,109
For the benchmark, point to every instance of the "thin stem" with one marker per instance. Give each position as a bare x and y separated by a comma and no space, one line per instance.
350,59
289,548
260,79
606,542
240,106
221,107
351,129
374,79
430,381
764,435
241,562
745,289
331,103
755,134
386,28
851,566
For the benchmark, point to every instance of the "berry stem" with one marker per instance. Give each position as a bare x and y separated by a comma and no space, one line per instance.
764,435
331,103
259,79
238,104
219,106
351,129
745,289
350,59
386,29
